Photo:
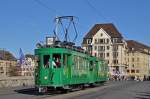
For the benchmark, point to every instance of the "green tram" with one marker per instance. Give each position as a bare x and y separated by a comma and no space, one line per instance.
61,67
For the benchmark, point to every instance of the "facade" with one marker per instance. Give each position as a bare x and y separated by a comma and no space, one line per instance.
8,63
27,68
138,59
105,41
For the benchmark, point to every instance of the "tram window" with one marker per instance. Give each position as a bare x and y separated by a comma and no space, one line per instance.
91,65
65,60
96,64
46,60
75,62
56,60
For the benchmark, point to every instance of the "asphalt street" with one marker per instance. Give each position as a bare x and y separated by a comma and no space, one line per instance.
110,90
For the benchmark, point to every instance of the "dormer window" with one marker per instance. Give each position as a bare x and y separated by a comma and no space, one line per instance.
102,41
89,41
95,41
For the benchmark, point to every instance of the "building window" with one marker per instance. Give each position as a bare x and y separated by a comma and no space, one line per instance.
102,41
88,41
115,54
128,71
101,34
101,48
107,54
133,65
115,48
95,54
132,59
116,40
1,68
107,47
132,71
107,40
95,41
137,71
95,47
102,55
108,61
115,61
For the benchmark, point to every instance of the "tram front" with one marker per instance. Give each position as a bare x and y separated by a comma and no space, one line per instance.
42,70
48,71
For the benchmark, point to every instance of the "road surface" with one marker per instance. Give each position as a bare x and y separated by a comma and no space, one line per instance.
110,90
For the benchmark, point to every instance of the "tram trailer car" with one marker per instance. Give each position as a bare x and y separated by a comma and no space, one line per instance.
65,68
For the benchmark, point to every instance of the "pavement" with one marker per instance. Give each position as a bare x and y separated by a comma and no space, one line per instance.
110,90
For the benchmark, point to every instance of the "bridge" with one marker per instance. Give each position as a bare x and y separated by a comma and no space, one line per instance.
16,81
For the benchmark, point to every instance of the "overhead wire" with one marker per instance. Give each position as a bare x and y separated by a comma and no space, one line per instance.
98,12
47,7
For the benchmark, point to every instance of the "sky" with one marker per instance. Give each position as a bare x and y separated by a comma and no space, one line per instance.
24,23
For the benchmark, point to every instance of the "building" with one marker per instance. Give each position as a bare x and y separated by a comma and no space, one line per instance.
8,64
106,42
138,59
27,68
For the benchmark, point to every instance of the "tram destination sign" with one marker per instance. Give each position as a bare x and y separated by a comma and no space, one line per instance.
50,40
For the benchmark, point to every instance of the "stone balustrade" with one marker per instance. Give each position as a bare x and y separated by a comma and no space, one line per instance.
16,81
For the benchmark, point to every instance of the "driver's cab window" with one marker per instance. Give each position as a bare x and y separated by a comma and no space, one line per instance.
56,60
46,59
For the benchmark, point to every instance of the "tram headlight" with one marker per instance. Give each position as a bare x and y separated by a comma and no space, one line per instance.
45,77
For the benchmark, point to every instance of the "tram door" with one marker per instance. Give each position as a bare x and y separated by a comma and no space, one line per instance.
44,69
56,68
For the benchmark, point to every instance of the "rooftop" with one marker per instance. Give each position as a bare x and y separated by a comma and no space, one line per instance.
6,55
108,27
136,46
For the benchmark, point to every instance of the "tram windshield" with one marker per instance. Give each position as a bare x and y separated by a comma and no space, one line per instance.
46,60
56,61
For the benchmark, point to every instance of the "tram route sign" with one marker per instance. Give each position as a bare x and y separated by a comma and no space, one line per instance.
50,40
